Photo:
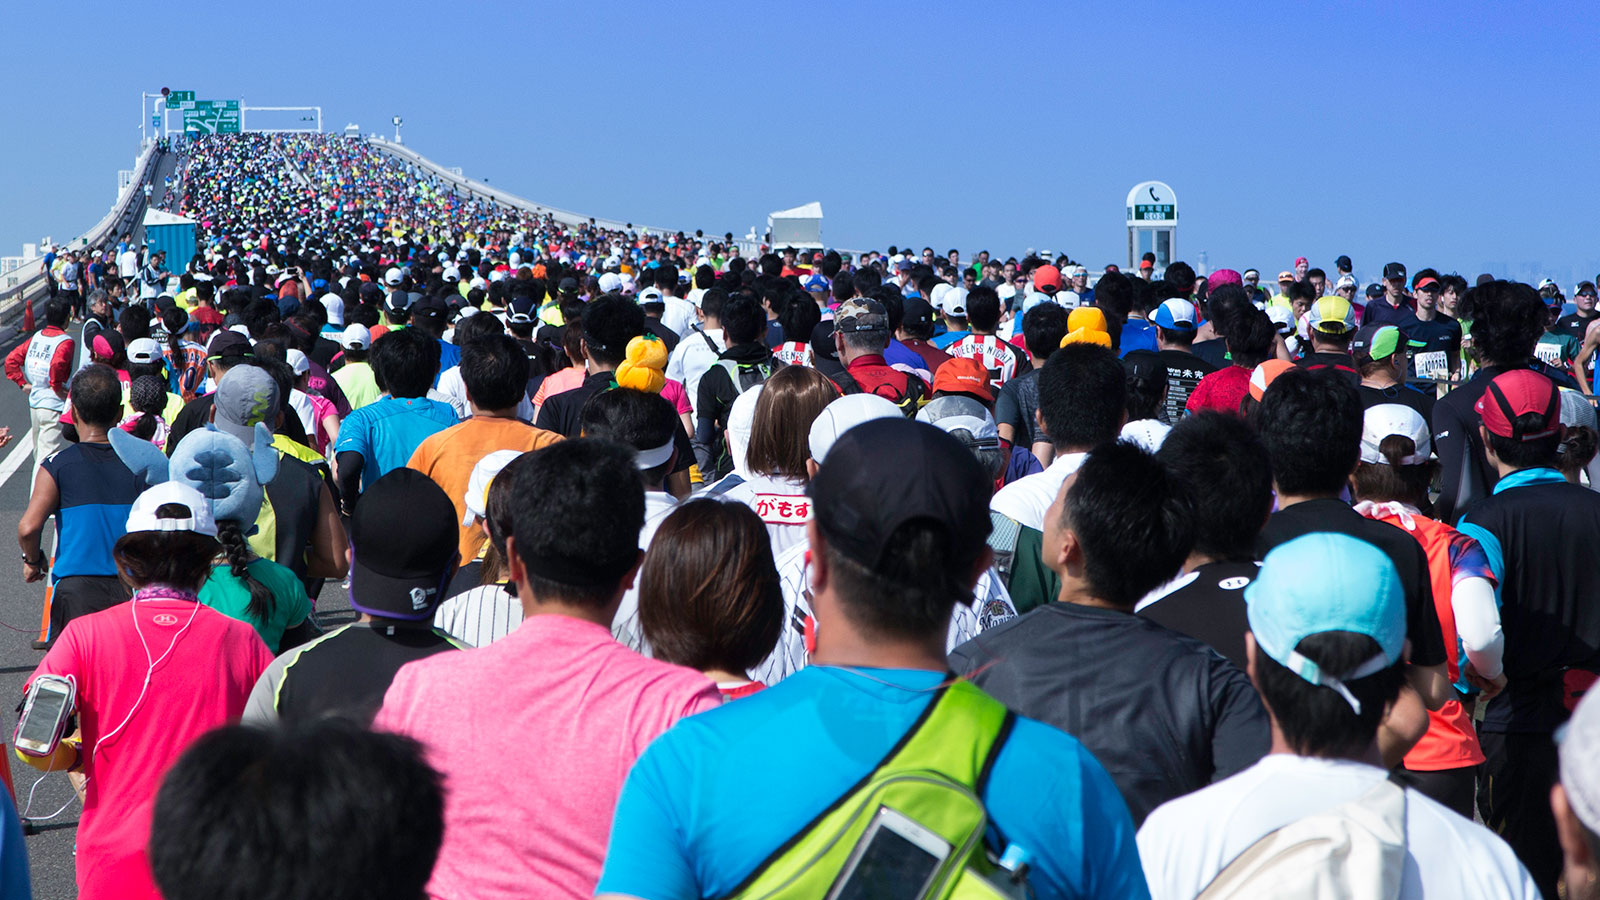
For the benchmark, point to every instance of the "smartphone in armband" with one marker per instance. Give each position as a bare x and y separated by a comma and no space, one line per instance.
44,715
895,859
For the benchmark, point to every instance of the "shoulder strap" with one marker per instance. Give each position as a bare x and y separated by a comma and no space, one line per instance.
932,742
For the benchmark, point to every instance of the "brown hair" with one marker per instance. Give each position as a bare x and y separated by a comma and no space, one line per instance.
178,559
709,596
1391,480
790,401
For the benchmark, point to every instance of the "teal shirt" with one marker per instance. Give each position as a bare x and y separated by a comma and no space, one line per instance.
230,596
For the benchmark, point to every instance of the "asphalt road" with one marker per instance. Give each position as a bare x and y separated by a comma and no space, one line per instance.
50,845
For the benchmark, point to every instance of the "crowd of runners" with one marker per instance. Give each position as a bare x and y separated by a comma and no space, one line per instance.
686,574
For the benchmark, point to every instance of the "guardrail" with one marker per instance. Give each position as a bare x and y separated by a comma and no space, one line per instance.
483,191
28,283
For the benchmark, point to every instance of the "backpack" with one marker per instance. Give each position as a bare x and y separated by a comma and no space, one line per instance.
1354,851
910,396
745,376
935,778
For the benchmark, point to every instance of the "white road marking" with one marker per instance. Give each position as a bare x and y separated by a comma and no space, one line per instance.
19,456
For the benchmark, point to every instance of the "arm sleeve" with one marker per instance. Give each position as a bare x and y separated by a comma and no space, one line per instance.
350,465
1478,624
61,364
1450,444
14,364
1240,733
646,857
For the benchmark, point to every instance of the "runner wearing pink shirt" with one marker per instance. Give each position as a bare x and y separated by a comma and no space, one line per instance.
535,733
152,675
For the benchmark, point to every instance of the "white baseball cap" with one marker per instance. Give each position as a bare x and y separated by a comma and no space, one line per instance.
297,361
476,500
142,516
844,414
143,350
392,277
954,303
610,283
356,337
1394,418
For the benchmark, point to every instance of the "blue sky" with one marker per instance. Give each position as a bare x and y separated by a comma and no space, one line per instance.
1450,135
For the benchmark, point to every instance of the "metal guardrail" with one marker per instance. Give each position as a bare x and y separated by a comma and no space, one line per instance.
483,191
28,283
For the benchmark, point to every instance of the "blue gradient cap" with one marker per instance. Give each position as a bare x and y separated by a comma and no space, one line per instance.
1327,582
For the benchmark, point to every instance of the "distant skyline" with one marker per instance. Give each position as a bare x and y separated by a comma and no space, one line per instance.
1447,135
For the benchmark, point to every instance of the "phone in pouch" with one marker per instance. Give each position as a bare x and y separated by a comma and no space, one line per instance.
895,859
44,715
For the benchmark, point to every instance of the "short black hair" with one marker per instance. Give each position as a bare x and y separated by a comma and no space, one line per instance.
1043,327
405,362
1310,422
1082,396
1250,337
1316,720
1179,276
494,369
579,508
609,323
713,301
1507,319
1223,302
799,319
1229,475
1527,454
96,396
983,309
743,320
637,419
1134,520
243,799
57,312
1302,290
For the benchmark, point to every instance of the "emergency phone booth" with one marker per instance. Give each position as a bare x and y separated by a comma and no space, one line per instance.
1152,225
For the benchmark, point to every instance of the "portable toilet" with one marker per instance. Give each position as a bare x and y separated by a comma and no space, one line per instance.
800,228
171,233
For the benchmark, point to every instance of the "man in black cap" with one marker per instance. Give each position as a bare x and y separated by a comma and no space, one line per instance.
889,561
1395,307
227,349
404,534
429,315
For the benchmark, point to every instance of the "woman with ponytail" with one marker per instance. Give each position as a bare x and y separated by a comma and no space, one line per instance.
266,595
1391,485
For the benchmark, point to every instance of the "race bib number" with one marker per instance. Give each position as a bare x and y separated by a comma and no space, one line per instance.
1433,364
1550,354
783,509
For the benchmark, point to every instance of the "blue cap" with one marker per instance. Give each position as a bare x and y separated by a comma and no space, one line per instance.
1175,315
1327,582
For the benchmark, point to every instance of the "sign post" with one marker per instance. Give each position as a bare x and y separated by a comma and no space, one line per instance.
1152,219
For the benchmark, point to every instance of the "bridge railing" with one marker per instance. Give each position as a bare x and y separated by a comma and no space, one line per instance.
28,283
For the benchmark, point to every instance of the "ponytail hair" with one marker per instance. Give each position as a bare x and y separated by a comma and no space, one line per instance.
1394,480
231,535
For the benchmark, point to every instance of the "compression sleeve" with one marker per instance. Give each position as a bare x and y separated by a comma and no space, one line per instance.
1478,624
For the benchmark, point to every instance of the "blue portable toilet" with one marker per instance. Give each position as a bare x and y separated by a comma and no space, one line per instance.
172,233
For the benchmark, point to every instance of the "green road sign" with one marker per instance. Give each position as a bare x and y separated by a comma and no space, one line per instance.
176,97
212,117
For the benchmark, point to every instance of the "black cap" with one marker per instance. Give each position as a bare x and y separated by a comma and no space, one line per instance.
1394,270
403,540
432,306
861,494
1144,364
520,309
1374,291
1342,264
568,286
228,343
917,312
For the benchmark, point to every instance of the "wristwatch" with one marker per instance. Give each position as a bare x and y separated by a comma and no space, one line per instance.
33,562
